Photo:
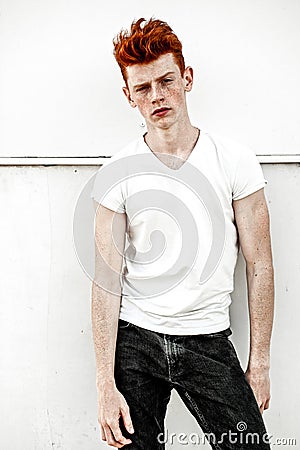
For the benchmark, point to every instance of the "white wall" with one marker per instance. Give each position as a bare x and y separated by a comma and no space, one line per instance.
47,366
61,88
60,95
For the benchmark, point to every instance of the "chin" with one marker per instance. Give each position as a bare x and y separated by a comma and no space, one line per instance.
164,123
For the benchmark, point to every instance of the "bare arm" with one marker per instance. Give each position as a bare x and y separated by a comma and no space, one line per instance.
252,219
106,290
110,230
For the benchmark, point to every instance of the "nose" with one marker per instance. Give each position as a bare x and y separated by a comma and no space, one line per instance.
157,94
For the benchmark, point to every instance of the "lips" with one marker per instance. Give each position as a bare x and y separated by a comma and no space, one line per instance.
160,111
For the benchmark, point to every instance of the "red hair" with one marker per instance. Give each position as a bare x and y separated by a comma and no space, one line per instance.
144,44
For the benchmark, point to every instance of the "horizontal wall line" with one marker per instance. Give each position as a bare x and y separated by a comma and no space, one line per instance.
99,160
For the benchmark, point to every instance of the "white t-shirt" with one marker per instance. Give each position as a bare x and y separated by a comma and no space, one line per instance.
182,243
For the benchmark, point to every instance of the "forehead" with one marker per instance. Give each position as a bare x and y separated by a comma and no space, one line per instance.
141,73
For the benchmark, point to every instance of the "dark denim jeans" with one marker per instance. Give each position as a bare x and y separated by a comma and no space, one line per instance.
205,371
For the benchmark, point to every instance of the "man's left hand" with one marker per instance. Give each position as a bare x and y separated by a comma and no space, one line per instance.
259,380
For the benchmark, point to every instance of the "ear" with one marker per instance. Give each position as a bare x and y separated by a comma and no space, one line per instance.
188,78
128,96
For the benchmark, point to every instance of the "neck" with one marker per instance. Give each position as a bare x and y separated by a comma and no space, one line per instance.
178,139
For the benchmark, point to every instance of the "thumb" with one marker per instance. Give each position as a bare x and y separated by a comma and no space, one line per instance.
127,419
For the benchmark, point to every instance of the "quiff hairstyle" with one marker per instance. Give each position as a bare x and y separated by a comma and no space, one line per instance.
145,43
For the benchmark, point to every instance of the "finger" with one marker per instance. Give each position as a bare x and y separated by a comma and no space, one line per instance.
117,433
110,438
103,437
267,404
127,419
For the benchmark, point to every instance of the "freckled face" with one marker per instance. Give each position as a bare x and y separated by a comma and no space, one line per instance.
158,90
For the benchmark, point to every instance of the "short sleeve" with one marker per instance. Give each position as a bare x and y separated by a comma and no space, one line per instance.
107,191
248,177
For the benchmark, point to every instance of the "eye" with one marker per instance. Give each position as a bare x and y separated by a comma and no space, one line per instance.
167,80
141,89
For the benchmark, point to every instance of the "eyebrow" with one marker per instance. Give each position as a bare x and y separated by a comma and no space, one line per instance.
157,79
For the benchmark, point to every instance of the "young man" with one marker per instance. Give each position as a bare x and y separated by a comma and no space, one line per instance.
166,325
